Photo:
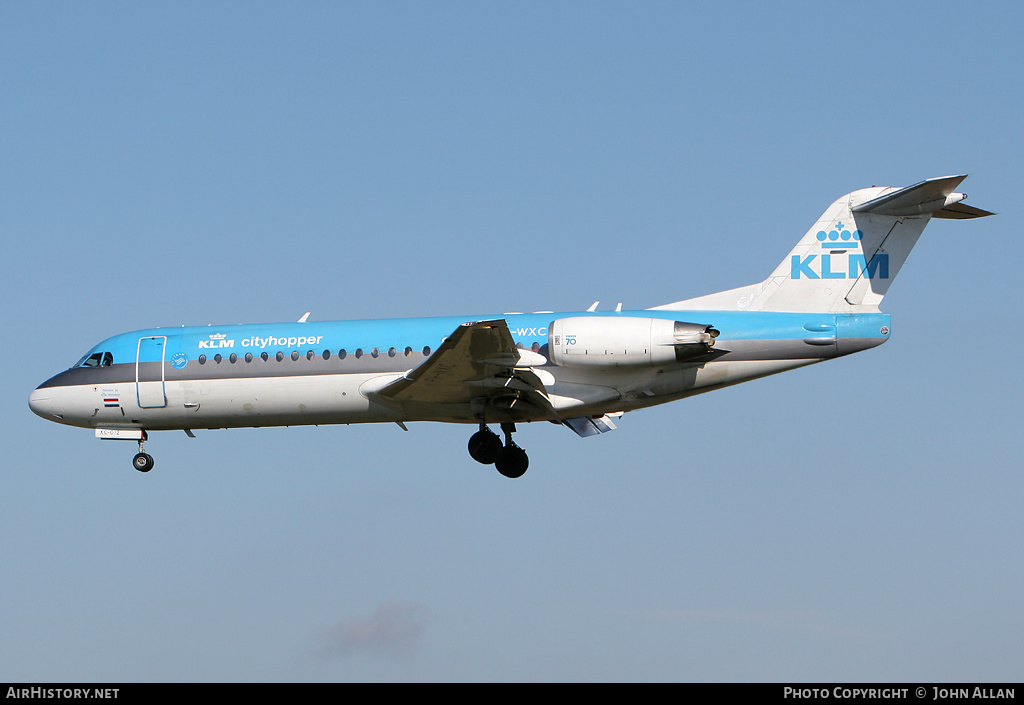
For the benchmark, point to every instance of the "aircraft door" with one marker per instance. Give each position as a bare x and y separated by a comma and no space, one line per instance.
149,375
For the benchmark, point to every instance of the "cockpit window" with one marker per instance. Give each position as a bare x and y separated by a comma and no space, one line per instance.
100,359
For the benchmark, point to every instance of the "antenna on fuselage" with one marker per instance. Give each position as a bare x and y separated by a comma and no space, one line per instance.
593,306
304,317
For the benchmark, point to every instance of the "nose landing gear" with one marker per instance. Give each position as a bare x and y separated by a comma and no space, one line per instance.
485,447
143,461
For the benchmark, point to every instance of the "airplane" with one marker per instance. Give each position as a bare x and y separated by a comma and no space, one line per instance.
580,369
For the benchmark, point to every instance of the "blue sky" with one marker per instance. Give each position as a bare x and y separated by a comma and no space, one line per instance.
248,162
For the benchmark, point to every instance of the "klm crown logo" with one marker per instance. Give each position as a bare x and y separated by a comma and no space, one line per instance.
839,238
839,241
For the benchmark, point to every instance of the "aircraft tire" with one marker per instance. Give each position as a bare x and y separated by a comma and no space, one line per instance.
143,462
484,446
512,461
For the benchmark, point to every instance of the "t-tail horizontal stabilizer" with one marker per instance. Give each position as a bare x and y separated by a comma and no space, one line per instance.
935,196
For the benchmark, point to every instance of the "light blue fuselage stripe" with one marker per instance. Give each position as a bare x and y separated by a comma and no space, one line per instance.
417,333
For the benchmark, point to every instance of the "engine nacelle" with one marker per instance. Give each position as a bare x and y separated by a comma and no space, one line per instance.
586,341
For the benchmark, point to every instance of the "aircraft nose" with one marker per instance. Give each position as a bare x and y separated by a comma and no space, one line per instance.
42,404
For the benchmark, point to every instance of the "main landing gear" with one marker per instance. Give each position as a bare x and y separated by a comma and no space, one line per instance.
486,447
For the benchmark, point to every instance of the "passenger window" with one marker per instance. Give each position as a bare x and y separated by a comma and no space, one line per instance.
359,353
391,352
233,358
408,351
327,354
248,357
217,358
309,354
375,352
264,356
202,359
280,356
342,354
295,355
426,351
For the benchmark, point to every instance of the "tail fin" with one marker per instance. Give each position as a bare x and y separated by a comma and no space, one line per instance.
849,257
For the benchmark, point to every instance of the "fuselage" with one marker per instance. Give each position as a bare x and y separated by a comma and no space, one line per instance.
579,369
326,372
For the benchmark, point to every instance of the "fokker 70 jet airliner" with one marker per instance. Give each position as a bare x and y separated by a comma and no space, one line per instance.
581,369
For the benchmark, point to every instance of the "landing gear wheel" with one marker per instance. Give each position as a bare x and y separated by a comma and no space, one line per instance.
512,461
484,446
143,462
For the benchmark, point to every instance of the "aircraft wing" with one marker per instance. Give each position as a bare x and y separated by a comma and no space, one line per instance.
476,361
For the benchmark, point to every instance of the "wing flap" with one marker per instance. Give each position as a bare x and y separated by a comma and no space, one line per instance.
586,426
